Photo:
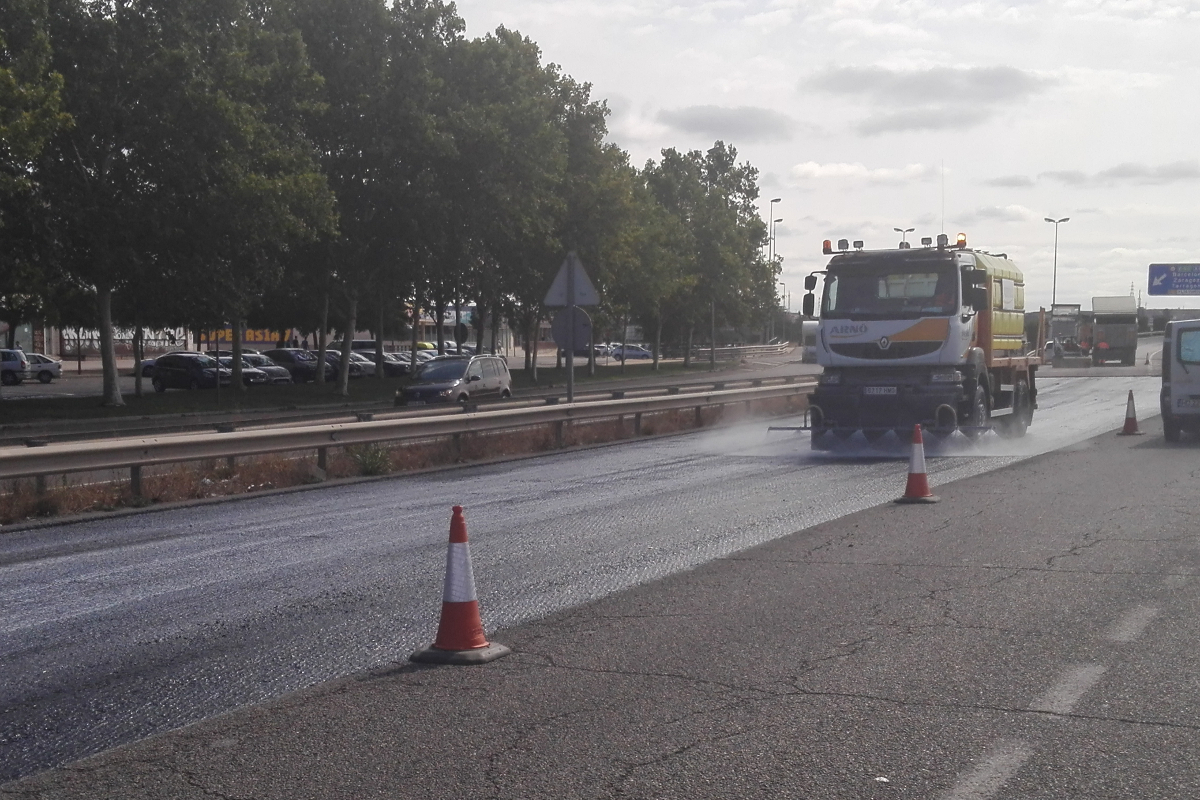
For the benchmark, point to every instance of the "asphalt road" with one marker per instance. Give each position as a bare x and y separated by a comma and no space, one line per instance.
114,630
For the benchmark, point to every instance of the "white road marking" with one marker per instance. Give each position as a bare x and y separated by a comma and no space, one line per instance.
1131,625
1063,696
998,765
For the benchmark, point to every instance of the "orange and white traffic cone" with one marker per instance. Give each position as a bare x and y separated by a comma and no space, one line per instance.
917,489
460,638
1131,426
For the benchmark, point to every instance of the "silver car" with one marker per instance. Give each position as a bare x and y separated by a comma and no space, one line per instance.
14,367
44,368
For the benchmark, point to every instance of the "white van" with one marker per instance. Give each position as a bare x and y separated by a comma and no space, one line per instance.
1180,398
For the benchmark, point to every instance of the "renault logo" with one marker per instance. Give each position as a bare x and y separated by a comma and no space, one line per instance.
884,343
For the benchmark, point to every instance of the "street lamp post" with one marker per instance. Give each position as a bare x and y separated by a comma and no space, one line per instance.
771,223
904,232
771,243
1054,283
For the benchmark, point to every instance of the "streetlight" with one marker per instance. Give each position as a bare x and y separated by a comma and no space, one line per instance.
771,243
1054,284
770,223
904,232
787,295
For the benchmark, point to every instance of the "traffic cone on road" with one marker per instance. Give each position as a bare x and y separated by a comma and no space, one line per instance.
460,638
917,490
1131,426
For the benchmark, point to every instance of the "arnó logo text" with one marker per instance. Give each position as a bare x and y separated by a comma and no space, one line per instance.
847,330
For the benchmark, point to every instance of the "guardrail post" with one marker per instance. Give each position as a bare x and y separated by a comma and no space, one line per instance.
790,379
456,445
39,481
637,424
718,386
559,428
364,416
322,466
756,382
618,395
135,480
699,417
672,390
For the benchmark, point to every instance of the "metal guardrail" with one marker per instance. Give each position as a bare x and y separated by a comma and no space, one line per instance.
728,353
136,453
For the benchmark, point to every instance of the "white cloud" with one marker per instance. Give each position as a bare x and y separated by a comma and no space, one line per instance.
744,123
812,171
1010,213
1129,172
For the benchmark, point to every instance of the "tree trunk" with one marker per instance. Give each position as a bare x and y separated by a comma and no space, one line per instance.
235,360
138,354
657,340
687,353
379,338
108,350
496,330
527,343
322,342
712,339
439,313
416,329
347,347
457,323
624,335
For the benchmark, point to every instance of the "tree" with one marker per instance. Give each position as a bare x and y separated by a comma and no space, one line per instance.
180,161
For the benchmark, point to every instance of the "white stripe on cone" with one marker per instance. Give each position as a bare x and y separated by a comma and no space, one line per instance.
460,578
916,465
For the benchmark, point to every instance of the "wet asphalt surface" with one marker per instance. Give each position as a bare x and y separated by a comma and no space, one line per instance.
114,630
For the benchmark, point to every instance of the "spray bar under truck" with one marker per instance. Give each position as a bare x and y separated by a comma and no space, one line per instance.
932,336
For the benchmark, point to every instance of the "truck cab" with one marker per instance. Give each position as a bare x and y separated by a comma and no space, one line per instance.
1180,395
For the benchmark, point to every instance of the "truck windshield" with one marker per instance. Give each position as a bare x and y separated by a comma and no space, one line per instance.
914,290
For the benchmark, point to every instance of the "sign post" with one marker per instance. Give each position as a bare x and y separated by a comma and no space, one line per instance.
571,288
1174,279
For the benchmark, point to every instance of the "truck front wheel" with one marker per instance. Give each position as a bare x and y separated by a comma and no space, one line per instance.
976,422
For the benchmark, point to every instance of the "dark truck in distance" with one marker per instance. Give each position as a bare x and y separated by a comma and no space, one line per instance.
1114,335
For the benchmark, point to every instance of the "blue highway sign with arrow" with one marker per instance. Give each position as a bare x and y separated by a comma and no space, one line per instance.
1175,279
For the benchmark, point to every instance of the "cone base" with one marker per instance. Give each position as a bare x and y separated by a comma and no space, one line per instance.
478,655
1131,433
931,498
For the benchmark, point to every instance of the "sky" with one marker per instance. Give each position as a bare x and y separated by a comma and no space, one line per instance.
863,116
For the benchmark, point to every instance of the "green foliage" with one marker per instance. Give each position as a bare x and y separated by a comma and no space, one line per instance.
371,459
193,162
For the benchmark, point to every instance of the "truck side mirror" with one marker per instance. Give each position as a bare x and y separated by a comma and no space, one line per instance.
976,297
809,304
973,276
810,282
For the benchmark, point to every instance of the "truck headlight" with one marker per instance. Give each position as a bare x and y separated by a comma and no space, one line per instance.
829,378
949,376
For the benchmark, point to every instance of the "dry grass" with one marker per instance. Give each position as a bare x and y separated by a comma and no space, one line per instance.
21,499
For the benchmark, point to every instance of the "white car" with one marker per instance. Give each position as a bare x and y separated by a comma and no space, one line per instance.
44,368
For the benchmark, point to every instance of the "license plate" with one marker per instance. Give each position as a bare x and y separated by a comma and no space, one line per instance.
415,403
879,390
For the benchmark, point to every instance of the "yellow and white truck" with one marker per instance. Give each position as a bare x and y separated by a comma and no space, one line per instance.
932,336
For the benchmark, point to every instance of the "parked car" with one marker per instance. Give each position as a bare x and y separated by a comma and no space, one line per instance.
333,360
189,371
450,379
302,364
366,365
44,368
629,351
426,355
396,364
275,373
14,367
251,376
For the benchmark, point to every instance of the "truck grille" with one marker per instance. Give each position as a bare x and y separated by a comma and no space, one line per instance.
871,350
